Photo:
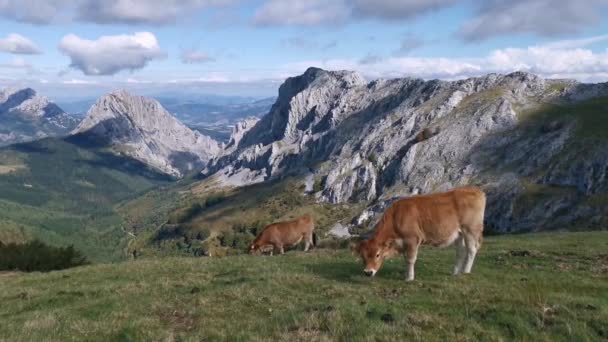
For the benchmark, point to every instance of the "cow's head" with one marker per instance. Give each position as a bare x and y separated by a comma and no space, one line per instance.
253,248
372,254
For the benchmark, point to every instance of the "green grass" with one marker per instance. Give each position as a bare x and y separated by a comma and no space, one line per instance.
64,193
552,288
591,116
242,207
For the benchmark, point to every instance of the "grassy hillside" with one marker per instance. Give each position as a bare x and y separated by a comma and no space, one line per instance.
199,214
63,193
528,287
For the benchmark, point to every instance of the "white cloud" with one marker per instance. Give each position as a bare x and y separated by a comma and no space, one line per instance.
397,9
143,11
33,11
109,55
554,60
576,43
105,11
18,44
543,17
333,12
304,13
193,56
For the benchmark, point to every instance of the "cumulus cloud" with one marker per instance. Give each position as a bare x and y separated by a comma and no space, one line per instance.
332,12
303,13
110,54
397,9
105,11
33,11
142,11
543,17
562,59
194,56
18,44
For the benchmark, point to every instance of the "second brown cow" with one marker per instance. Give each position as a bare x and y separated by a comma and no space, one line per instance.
277,236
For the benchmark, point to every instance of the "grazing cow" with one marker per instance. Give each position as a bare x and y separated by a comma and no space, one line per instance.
279,235
440,219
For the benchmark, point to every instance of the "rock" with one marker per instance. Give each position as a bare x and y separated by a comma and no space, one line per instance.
375,142
142,129
339,231
27,116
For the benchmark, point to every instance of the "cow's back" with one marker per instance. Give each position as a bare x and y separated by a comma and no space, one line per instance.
437,218
288,232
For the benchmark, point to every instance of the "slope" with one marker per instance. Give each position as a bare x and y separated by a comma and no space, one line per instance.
64,193
526,287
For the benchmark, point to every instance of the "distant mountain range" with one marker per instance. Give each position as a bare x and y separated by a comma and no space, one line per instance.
538,147
211,115
27,116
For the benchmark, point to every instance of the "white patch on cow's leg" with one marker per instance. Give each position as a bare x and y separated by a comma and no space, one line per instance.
309,242
411,254
281,250
460,254
471,249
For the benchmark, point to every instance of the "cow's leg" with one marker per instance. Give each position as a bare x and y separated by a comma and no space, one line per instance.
307,242
471,242
411,253
281,249
461,250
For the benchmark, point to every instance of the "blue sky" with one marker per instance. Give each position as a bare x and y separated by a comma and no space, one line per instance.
82,48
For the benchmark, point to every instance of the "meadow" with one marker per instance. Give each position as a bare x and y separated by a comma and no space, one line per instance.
547,287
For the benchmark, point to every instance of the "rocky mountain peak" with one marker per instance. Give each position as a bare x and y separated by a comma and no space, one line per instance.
26,116
141,128
373,142
27,103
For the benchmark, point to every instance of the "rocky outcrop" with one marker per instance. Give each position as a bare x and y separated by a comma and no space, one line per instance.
141,128
26,116
377,141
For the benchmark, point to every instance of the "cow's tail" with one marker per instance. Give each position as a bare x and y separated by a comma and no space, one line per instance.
314,239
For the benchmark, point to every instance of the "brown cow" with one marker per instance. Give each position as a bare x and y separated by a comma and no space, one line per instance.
279,235
441,219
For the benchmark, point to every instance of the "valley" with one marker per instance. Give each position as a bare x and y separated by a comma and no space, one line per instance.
133,174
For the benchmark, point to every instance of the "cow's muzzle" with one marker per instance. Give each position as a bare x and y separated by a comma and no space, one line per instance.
369,273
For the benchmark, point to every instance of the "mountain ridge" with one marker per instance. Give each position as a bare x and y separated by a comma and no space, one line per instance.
141,128
380,140
27,116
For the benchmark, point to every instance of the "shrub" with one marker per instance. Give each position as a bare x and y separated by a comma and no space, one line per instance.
203,234
37,256
318,185
372,158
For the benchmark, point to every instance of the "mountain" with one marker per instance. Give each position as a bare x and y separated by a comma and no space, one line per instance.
141,128
27,116
216,118
538,147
